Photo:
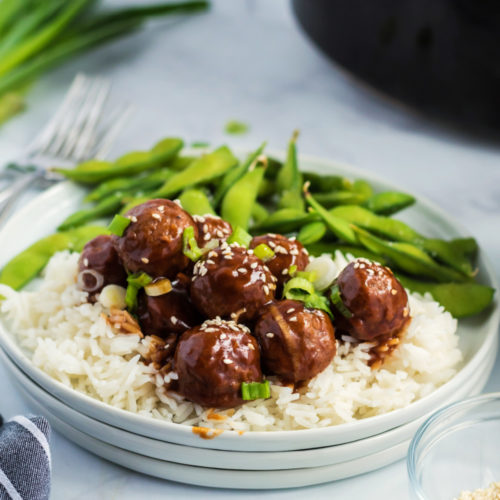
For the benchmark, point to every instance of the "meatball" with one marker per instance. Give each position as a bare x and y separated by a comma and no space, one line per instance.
152,242
376,299
99,265
212,361
211,227
287,252
231,282
296,343
172,312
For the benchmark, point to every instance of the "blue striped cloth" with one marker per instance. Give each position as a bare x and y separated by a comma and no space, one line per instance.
25,462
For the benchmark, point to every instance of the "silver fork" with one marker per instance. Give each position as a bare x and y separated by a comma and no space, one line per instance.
75,133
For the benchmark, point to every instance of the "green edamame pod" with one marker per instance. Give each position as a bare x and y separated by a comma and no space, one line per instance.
196,202
231,176
326,183
285,220
267,188
465,246
339,227
289,179
407,260
388,202
335,198
137,200
259,212
108,206
133,184
320,248
238,203
363,188
95,171
181,162
445,252
273,167
27,265
312,232
203,169
459,299
389,228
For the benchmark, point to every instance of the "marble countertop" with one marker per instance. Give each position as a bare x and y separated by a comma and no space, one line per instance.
248,60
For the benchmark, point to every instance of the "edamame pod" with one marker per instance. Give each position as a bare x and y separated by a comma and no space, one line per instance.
259,212
339,227
238,202
312,232
236,173
326,183
285,220
289,179
108,206
196,202
335,198
28,264
459,299
94,171
204,169
388,202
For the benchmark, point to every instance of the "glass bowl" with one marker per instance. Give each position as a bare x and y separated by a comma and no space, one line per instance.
456,449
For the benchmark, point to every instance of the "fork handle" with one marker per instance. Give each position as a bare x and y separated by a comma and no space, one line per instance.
11,193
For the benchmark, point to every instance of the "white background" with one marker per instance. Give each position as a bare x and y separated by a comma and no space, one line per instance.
248,60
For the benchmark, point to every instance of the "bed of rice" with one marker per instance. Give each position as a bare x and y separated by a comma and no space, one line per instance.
70,340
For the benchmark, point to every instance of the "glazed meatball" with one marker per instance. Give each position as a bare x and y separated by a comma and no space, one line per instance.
153,240
287,252
212,361
99,265
172,312
231,282
296,343
211,227
376,299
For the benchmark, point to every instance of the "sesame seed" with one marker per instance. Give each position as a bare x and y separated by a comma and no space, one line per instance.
212,254
173,319
219,233
205,228
292,238
253,265
166,346
269,335
284,272
293,318
250,346
266,289
133,218
117,325
210,261
161,208
235,274
290,310
242,270
228,257
207,236
178,202
203,271
394,291
86,262
294,251
156,216
222,336
145,260
228,361
272,244
405,312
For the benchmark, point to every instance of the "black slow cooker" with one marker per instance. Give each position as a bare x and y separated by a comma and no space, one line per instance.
441,56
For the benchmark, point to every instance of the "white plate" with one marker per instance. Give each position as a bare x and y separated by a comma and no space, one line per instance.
477,335
227,459
225,478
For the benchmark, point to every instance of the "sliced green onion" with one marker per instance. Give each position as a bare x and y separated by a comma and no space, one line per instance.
190,246
298,288
263,252
308,275
292,270
255,390
118,225
337,302
240,236
134,283
302,289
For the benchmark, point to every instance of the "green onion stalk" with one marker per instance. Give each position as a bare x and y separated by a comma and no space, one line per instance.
37,35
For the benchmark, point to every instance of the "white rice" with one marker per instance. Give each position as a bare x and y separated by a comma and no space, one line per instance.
70,340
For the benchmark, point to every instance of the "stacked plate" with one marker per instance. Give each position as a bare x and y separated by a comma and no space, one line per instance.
253,459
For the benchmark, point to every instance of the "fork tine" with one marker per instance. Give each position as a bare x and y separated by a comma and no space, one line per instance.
116,123
45,136
66,120
91,105
86,138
